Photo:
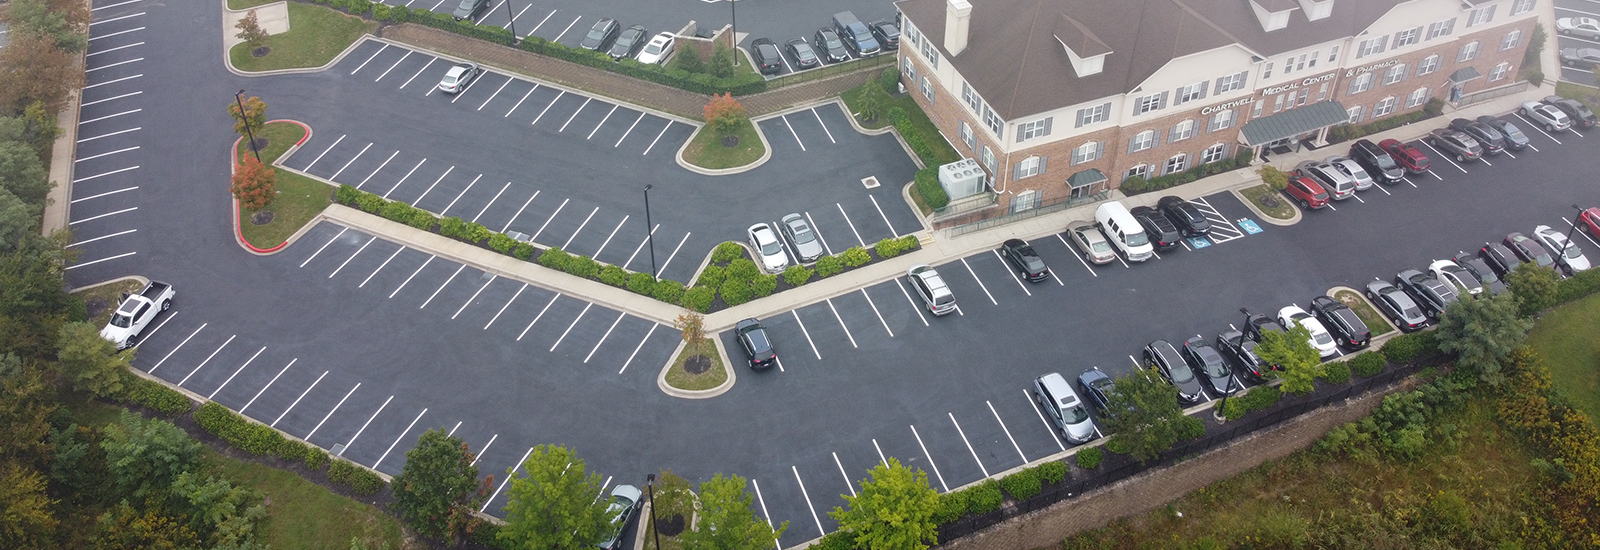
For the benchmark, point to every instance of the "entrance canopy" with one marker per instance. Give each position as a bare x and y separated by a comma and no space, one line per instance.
1294,122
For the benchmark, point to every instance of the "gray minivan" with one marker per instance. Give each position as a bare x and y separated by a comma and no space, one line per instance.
1063,407
855,34
931,288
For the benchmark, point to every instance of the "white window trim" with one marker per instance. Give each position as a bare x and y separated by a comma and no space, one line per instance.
1221,153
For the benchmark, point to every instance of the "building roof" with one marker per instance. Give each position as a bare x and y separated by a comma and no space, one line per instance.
1294,122
1014,56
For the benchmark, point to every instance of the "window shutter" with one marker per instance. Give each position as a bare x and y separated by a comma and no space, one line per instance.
1081,115
1020,139
1352,88
1219,82
1016,171
1047,122
1042,162
1203,87
1162,103
1131,141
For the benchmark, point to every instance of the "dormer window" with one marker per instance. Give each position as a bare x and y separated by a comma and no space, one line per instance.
1085,50
1316,9
1274,14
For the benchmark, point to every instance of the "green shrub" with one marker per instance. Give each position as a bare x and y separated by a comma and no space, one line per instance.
927,185
1583,284
523,251
951,507
251,437
837,540
668,291
1053,471
444,21
727,252
1118,445
347,195
889,78
712,276
1406,347
316,459
499,242
888,248
455,228
338,4
155,396
763,285
1090,458
742,269
358,479
583,266
1367,364
641,283
382,12
553,258
735,291
1337,373
614,276
984,497
855,256
370,203
739,83
1022,485
1257,398
828,266
1189,427
699,298
797,275
358,7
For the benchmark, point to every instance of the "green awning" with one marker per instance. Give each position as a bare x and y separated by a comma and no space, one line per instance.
1294,122
1086,178
1464,74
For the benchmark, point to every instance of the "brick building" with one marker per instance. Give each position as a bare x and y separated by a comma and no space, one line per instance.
1062,99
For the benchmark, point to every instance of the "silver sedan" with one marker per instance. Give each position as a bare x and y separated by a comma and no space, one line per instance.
807,247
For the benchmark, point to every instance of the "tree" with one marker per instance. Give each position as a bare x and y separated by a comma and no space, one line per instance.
27,520
62,23
726,520
1482,332
32,69
872,100
688,59
219,513
33,298
1292,352
90,362
893,510
23,173
1533,287
721,60
554,506
18,221
1143,413
438,489
255,115
146,455
1274,177
26,406
126,527
724,113
254,184
693,326
251,32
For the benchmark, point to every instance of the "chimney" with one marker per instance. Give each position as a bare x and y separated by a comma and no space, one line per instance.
957,18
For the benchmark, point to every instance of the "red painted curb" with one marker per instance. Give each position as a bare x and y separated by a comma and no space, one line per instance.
238,229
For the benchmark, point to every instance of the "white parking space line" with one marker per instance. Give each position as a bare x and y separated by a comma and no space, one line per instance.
536,234
464,91
1076,255
129,94
824,128
94,38
134,60
881,459
509,475
481,452
391,67
113,81
474,296
885,217
269,384
580,228
658,138
369,59
461,194
537,317
847,483
336,406
413,274
608,237
208,360
495,94
83,122
792,133
569,327
841,324
403,178
491,201
489,12
397,440
108,50
419,73
236,372
1007,430
1408,182
807,496
879,314
1356,197
1052,273
352,256
851,224
1584,233
603,337
81,199
104,174
974,452
1385,191
637,348
380,167
364,425
1443,157
87,241
765,515
914,306
78,265
547,107
517,16
819,233
520,210
602,122
574,114
324,152
124,3
503,308
435,184
441,287
519,102
129,16
380,266
569,27
1484,160
542,22
807,334
308,389
175,350
324,246
926,455
1010,272
1053,436
1507,151
629,130
674,254
640,247
1537,127
134,129
980,281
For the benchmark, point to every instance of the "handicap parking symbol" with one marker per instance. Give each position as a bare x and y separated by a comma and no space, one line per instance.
1199,242
1249,226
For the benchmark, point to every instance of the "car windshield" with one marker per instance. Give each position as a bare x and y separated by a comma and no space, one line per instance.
121,321
627,39
653,48
1076,414
1544,259
1513,133
802,234
770,248
1101,247
1138,239
449,79
768,50
832,42
466,4
1181,375
1322,338
1573,252
1412,313
1385,162
1486,276
804,53
596,33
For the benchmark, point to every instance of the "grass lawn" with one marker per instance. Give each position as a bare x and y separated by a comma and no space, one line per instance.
1569,339
681,379
1370,317
706,150
299,199
304,514
920,124
1283,211
316,34
100,301
1586,94
280,137
246,4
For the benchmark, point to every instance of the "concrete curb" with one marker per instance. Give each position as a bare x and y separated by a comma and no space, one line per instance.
238,229
1263,215
227,60
142,280
766,154
1363,297
58,207
661,379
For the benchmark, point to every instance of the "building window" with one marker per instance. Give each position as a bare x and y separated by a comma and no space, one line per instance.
1383,107
1255,112
1221,121
1231,82
1354,114
1407,37
1417,97
1213,153
1333,56
1277,103
1177,163
1512,40
1141,171
1304,94
1035,129
1428,65
1441,28
1468,52
1394,74
1480,16
1372,46
1029,167
967,136
1521,6
931,53
1499,71
1361,83
1149,103
1322,92
1267,72
927,89
911,33
971,98
1087,152
1141,141
910,70
1293,64
992,120
986,156
1181,131
1095,114
1025,200
1190,93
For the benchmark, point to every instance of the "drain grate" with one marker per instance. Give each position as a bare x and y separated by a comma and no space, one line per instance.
870,182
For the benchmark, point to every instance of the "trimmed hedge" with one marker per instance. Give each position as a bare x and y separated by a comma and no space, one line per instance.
699,298
1022,485
927,184
1189,427
1259,397
1337,373
155,396
251,437
984,497
797,275
1136,184
1578,286
889,248
1345,132
952,506
1406,347
1090,458
1053,471
358,479
444,21
741,83
828,266
855,256
1367,364
727,252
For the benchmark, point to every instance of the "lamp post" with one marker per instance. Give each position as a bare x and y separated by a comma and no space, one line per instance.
733,27
649,233
1575,221
513,25
1222,405
243,117
650,485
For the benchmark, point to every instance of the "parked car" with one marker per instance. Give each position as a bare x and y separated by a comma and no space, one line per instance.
601,35
1092,243
468,8
1481,271
1580,58
1207,363
1162,232
1580,114
807,248
1320,339
1188,217
767,57
1306,192
1408,156
931,288
1348,329
1098,386
757,346
629,42
1455,275
1026,261
1529,250
1377,162
1456,144
802,54
624,500
1568,255
1499,258
1589,221
1492,141
1338,185
887,34
1551,118
1515,139
659,49
1172,367
1255,324
1585,27
828,43
765,243
1396,305
1427,291
458,77
1242,352
1062,405
1353,170
855,34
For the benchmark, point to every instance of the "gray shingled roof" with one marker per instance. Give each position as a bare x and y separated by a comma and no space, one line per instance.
1085,177
1294,122
1464,74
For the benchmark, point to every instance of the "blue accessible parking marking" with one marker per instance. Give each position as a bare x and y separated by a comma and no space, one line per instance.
1199,242
1249,226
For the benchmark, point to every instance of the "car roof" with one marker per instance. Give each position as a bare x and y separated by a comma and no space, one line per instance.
746,324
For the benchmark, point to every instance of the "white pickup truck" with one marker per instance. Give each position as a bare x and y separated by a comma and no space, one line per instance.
135,312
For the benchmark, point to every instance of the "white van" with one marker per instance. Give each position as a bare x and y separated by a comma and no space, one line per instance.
1126,234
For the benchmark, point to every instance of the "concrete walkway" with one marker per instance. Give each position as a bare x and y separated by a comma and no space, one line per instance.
273,18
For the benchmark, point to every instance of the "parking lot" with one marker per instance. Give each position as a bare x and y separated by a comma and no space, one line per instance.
1576,8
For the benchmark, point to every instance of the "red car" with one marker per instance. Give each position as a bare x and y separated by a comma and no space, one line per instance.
1589,220
1406,155
1306,191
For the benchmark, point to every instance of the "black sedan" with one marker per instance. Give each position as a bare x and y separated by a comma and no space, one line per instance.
1492,140
1346,326
1209,364
1185,215
1097,385
753,338
1499,258
1481,270
1515,139
802,54
629,42
1397,305
601,35
828,44
767,56
1027,262
1242,352
1256,323
1582,58
1162,232
1428,291
1529,250
468,9
1172,366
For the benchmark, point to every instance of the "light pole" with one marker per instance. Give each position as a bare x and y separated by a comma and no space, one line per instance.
513,22
650,485
1575,221
649,234
733,27
1222,405
246,118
